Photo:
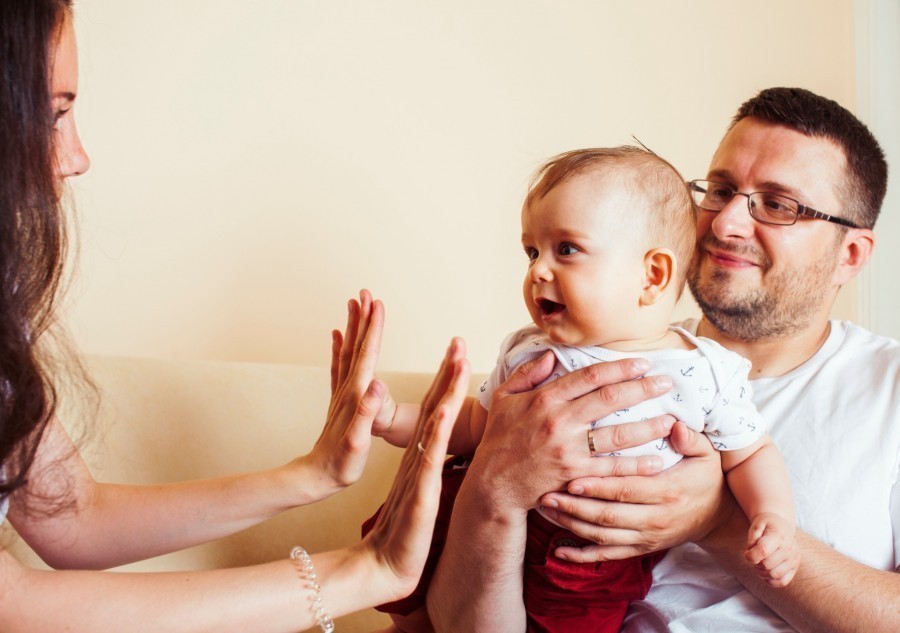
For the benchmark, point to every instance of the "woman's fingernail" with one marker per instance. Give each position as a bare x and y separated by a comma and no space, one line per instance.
662,382
640,365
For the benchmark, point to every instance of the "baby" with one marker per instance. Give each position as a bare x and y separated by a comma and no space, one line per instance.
608,234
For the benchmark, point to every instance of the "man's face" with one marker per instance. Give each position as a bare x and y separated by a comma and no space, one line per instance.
754,280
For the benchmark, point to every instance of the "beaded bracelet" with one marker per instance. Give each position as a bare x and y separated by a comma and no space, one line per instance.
308,574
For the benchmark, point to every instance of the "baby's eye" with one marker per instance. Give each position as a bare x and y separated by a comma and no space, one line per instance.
531,252
567,249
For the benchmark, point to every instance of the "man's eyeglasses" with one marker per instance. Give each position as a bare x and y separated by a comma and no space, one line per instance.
768,208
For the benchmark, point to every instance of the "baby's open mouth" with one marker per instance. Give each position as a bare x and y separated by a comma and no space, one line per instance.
550,307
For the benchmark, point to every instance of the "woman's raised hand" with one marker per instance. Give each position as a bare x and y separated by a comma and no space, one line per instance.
401,536
339,455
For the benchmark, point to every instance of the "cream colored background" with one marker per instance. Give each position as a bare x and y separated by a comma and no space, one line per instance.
255,163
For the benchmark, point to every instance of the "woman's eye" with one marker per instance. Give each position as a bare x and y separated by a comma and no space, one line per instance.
567,249
57,116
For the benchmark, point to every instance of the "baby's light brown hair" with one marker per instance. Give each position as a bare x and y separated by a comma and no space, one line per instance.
670,217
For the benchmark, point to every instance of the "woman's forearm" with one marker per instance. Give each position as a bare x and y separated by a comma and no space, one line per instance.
98,528
273,597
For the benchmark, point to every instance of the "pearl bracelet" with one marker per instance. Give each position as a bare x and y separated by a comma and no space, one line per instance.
308,574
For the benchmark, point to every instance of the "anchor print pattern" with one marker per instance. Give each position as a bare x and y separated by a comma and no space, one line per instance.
711,391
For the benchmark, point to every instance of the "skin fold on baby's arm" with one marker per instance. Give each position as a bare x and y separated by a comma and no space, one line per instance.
759,481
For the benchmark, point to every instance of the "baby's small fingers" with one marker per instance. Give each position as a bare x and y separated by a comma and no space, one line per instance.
783,574
754,534
765,547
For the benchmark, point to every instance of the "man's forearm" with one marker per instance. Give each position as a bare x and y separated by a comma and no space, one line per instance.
830,592
478,582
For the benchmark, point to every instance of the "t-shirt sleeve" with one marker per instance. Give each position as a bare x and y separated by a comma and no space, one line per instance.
517,348
732,421
496,378
500,372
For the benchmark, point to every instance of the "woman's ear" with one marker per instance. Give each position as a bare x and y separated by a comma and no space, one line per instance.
659,272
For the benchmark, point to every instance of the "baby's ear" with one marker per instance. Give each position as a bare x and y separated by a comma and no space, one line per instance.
659,272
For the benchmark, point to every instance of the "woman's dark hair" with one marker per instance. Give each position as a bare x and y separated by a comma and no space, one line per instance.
32,230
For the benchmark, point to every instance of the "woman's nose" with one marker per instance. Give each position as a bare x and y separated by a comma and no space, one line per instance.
72,159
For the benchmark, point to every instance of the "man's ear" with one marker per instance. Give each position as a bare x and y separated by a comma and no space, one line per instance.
659,272
856,249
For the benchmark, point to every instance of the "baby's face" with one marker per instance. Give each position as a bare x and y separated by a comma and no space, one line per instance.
585,269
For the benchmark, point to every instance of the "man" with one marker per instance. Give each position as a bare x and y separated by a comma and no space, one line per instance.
786,218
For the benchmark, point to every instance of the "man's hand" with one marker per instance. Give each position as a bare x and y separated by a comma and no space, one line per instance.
629,516
535,439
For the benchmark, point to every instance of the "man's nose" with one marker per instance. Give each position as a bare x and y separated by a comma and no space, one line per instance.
734,220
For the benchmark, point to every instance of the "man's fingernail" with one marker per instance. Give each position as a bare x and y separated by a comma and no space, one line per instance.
551,514
550,503
577,490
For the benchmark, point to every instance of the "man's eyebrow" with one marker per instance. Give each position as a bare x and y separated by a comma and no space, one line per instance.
724,174
770,186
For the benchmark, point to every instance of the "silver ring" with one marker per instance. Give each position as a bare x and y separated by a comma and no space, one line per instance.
591,448
420,447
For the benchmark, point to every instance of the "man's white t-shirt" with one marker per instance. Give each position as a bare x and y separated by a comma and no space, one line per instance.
836,421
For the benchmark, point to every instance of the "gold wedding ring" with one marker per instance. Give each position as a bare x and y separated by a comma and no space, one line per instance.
420,447
591,447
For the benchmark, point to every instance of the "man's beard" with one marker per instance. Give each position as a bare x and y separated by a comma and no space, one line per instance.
784,305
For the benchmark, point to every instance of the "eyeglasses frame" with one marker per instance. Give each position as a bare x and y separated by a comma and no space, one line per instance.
802,209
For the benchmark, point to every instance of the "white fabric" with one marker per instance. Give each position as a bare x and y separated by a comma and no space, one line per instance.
836,420
711,392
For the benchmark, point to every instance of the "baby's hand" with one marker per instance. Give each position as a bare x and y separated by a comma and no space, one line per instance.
772,548
385,418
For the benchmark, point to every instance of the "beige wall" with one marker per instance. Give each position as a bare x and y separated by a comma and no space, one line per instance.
254,163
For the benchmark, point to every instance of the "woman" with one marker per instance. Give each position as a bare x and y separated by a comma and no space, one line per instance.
74,522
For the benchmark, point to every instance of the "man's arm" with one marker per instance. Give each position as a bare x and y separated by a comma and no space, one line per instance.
830,592
535,440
